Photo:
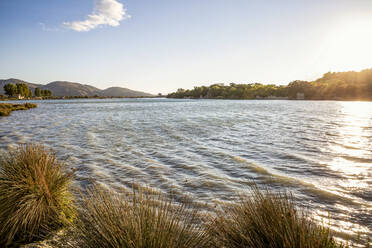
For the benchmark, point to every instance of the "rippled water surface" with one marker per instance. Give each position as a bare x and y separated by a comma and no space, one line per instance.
211,149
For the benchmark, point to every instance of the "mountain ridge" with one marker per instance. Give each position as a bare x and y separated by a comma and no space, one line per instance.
66,88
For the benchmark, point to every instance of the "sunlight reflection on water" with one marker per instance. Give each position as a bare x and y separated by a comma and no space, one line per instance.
211,149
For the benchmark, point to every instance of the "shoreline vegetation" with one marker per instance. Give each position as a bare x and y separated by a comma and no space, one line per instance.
340,86
7,108
40,204
355,86
4,98
19,89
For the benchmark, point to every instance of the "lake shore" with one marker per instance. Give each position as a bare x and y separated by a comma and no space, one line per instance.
74,97
211,149
34,183
7,108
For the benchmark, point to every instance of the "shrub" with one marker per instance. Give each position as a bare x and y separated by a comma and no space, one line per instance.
34,195
6,105
7,108
267,220
144,218
30,105
4,112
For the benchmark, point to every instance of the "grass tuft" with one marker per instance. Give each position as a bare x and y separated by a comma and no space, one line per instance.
34,195
267,220
142,218
7,108
35,202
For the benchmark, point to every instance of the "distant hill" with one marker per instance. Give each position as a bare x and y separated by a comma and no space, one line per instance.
17,81
63,88
118,91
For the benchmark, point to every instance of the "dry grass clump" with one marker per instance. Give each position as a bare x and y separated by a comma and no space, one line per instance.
141,219
35,201
34,195
7,108
267,220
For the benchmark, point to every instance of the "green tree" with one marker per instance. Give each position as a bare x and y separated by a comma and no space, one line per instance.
46,93
38,92
332,85
23,90
10,89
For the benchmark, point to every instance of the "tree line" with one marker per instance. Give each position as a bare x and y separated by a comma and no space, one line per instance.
331,86
23,90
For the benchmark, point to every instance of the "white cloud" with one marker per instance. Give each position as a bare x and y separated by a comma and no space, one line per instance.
47,29
106,12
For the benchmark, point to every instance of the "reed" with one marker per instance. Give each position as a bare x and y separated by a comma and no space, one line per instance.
34,195
7,108
141,218
267,220
35,201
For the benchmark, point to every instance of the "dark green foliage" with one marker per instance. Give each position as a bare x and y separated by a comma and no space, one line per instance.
37,92
10,89
46,93
21,89
332,86
7,108
233,91
267,220
342,85
141,218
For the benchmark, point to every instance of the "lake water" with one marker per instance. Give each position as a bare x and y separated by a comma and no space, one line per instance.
212,149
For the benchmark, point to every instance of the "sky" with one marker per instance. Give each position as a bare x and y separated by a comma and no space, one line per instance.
160,46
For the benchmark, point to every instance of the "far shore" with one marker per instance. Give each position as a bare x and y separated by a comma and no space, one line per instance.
184,98
73,97
275,99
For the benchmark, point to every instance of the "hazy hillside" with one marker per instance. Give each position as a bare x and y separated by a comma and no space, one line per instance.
16,81
63,88
118,91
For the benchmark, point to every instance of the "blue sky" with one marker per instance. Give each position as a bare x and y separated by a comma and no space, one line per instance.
159,46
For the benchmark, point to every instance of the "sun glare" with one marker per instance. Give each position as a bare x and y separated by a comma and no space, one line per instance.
348,44
352,129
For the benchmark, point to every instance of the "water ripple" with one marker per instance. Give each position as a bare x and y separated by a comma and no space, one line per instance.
212,149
